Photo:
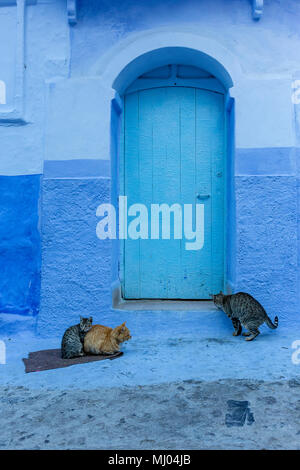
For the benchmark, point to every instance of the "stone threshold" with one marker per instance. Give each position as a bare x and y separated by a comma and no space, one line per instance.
157,304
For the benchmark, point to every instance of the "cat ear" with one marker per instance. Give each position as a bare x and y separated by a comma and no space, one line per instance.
123,324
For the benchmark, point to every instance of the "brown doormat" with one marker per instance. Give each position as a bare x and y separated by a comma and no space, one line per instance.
51,359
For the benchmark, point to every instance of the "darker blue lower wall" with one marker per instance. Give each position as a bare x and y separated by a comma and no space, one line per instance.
76,265
20,251
266,257
78,268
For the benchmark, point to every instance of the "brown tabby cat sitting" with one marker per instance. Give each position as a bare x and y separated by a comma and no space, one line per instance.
104,340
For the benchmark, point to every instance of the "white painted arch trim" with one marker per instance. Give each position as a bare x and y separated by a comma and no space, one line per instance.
144,51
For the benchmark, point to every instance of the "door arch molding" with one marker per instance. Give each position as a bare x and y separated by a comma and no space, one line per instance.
147,50
177,75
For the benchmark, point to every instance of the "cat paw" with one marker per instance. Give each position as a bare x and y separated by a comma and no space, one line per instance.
250,338
246,333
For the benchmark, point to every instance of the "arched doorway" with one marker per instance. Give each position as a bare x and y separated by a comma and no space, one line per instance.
173,151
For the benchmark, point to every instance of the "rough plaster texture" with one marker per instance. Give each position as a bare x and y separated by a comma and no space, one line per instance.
75,263
77,267
266,209
19,244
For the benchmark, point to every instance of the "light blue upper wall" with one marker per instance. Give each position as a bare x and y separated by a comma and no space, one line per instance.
30,54
7,54
266,50
103,24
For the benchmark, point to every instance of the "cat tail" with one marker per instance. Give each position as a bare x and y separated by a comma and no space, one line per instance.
271,324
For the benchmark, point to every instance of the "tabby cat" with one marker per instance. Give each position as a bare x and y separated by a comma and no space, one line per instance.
104,340
72,342
244,310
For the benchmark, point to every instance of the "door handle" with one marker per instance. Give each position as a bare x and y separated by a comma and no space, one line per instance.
202,196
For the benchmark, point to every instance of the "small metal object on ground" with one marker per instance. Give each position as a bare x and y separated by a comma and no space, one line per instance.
238,413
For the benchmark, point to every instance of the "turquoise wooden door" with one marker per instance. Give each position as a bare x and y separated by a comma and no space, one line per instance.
174,153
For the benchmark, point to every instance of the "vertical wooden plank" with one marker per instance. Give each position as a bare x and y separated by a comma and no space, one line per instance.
132,191
189,276
121,191
152,271
170,179
154,253
218,200
204,137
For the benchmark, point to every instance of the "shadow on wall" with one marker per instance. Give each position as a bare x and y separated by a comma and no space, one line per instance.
20,250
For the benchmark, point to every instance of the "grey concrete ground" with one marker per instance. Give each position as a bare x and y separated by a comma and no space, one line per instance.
182,415
184,382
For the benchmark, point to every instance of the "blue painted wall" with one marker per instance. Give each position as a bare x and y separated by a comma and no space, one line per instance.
68,131
76,265
266,208
20,250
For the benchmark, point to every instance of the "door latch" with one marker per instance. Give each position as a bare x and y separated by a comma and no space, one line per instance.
202,196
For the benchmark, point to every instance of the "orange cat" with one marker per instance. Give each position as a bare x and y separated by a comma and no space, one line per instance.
104,340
